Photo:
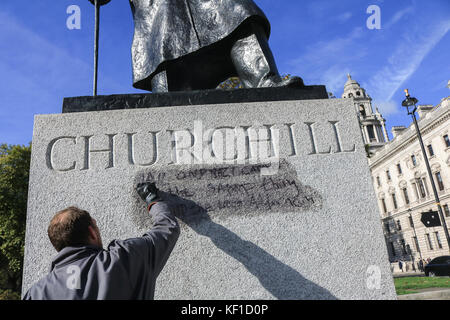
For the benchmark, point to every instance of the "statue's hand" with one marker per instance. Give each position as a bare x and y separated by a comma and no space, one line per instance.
100,2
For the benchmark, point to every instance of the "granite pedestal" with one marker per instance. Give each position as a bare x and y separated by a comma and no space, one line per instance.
277,195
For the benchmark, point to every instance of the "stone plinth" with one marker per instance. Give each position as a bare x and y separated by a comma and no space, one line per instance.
186,98
278,195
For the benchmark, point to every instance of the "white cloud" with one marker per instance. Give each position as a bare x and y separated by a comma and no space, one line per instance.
398,15
344,16
40,67
319,8
330,50
329,61
34,56
406,58
334,79
387,107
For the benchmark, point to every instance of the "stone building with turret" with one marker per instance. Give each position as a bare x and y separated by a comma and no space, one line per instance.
404,190
373,125
400,178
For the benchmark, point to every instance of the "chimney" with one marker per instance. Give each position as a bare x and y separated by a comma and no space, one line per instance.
397,130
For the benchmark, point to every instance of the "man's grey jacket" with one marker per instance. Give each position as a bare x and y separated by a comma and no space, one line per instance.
126,270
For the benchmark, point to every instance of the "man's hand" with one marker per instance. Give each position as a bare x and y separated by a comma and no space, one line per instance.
148,192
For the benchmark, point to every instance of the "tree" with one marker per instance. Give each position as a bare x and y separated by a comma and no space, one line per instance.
14,175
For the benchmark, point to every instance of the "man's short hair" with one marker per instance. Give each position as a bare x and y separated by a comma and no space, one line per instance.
69,228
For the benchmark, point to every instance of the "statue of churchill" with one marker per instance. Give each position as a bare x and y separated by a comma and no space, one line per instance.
182,45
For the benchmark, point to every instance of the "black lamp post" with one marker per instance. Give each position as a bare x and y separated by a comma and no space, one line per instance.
411,102
97,4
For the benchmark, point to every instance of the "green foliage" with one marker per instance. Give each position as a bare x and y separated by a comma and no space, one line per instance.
406,285
9,295
14,174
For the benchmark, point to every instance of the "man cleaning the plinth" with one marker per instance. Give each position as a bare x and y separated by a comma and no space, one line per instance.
83,270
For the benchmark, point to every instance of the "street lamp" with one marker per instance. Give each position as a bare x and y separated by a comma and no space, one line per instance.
409,102
97,4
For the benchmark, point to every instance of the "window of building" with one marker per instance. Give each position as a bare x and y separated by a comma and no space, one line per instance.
405,195
446,210
362,110
386,226
414,185
394,201
399,168
402,241
383,203
439,181
424,181
430,150
358,93
438,239
388,175
414,161
399,226
392,248
378,181
371,133
421,186
446,140
416,244
411,221
430,244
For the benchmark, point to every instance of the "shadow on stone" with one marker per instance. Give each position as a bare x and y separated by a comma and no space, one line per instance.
282,281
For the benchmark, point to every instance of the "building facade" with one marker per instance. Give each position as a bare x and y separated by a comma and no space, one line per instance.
403,188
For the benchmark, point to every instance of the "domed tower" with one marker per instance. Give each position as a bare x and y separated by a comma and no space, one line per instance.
372,124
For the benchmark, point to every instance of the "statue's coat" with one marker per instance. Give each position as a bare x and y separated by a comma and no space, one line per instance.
170,29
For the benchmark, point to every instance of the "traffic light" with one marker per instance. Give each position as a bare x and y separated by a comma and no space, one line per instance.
430,219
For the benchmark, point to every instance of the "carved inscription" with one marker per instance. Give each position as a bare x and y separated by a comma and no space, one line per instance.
220,145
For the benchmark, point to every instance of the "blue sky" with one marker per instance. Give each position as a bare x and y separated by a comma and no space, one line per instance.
42,61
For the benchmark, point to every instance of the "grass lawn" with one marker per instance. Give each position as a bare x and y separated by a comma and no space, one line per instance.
414,284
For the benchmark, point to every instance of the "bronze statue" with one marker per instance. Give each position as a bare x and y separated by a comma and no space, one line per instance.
182,45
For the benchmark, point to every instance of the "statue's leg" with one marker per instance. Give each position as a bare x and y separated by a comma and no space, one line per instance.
254,61
160,83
